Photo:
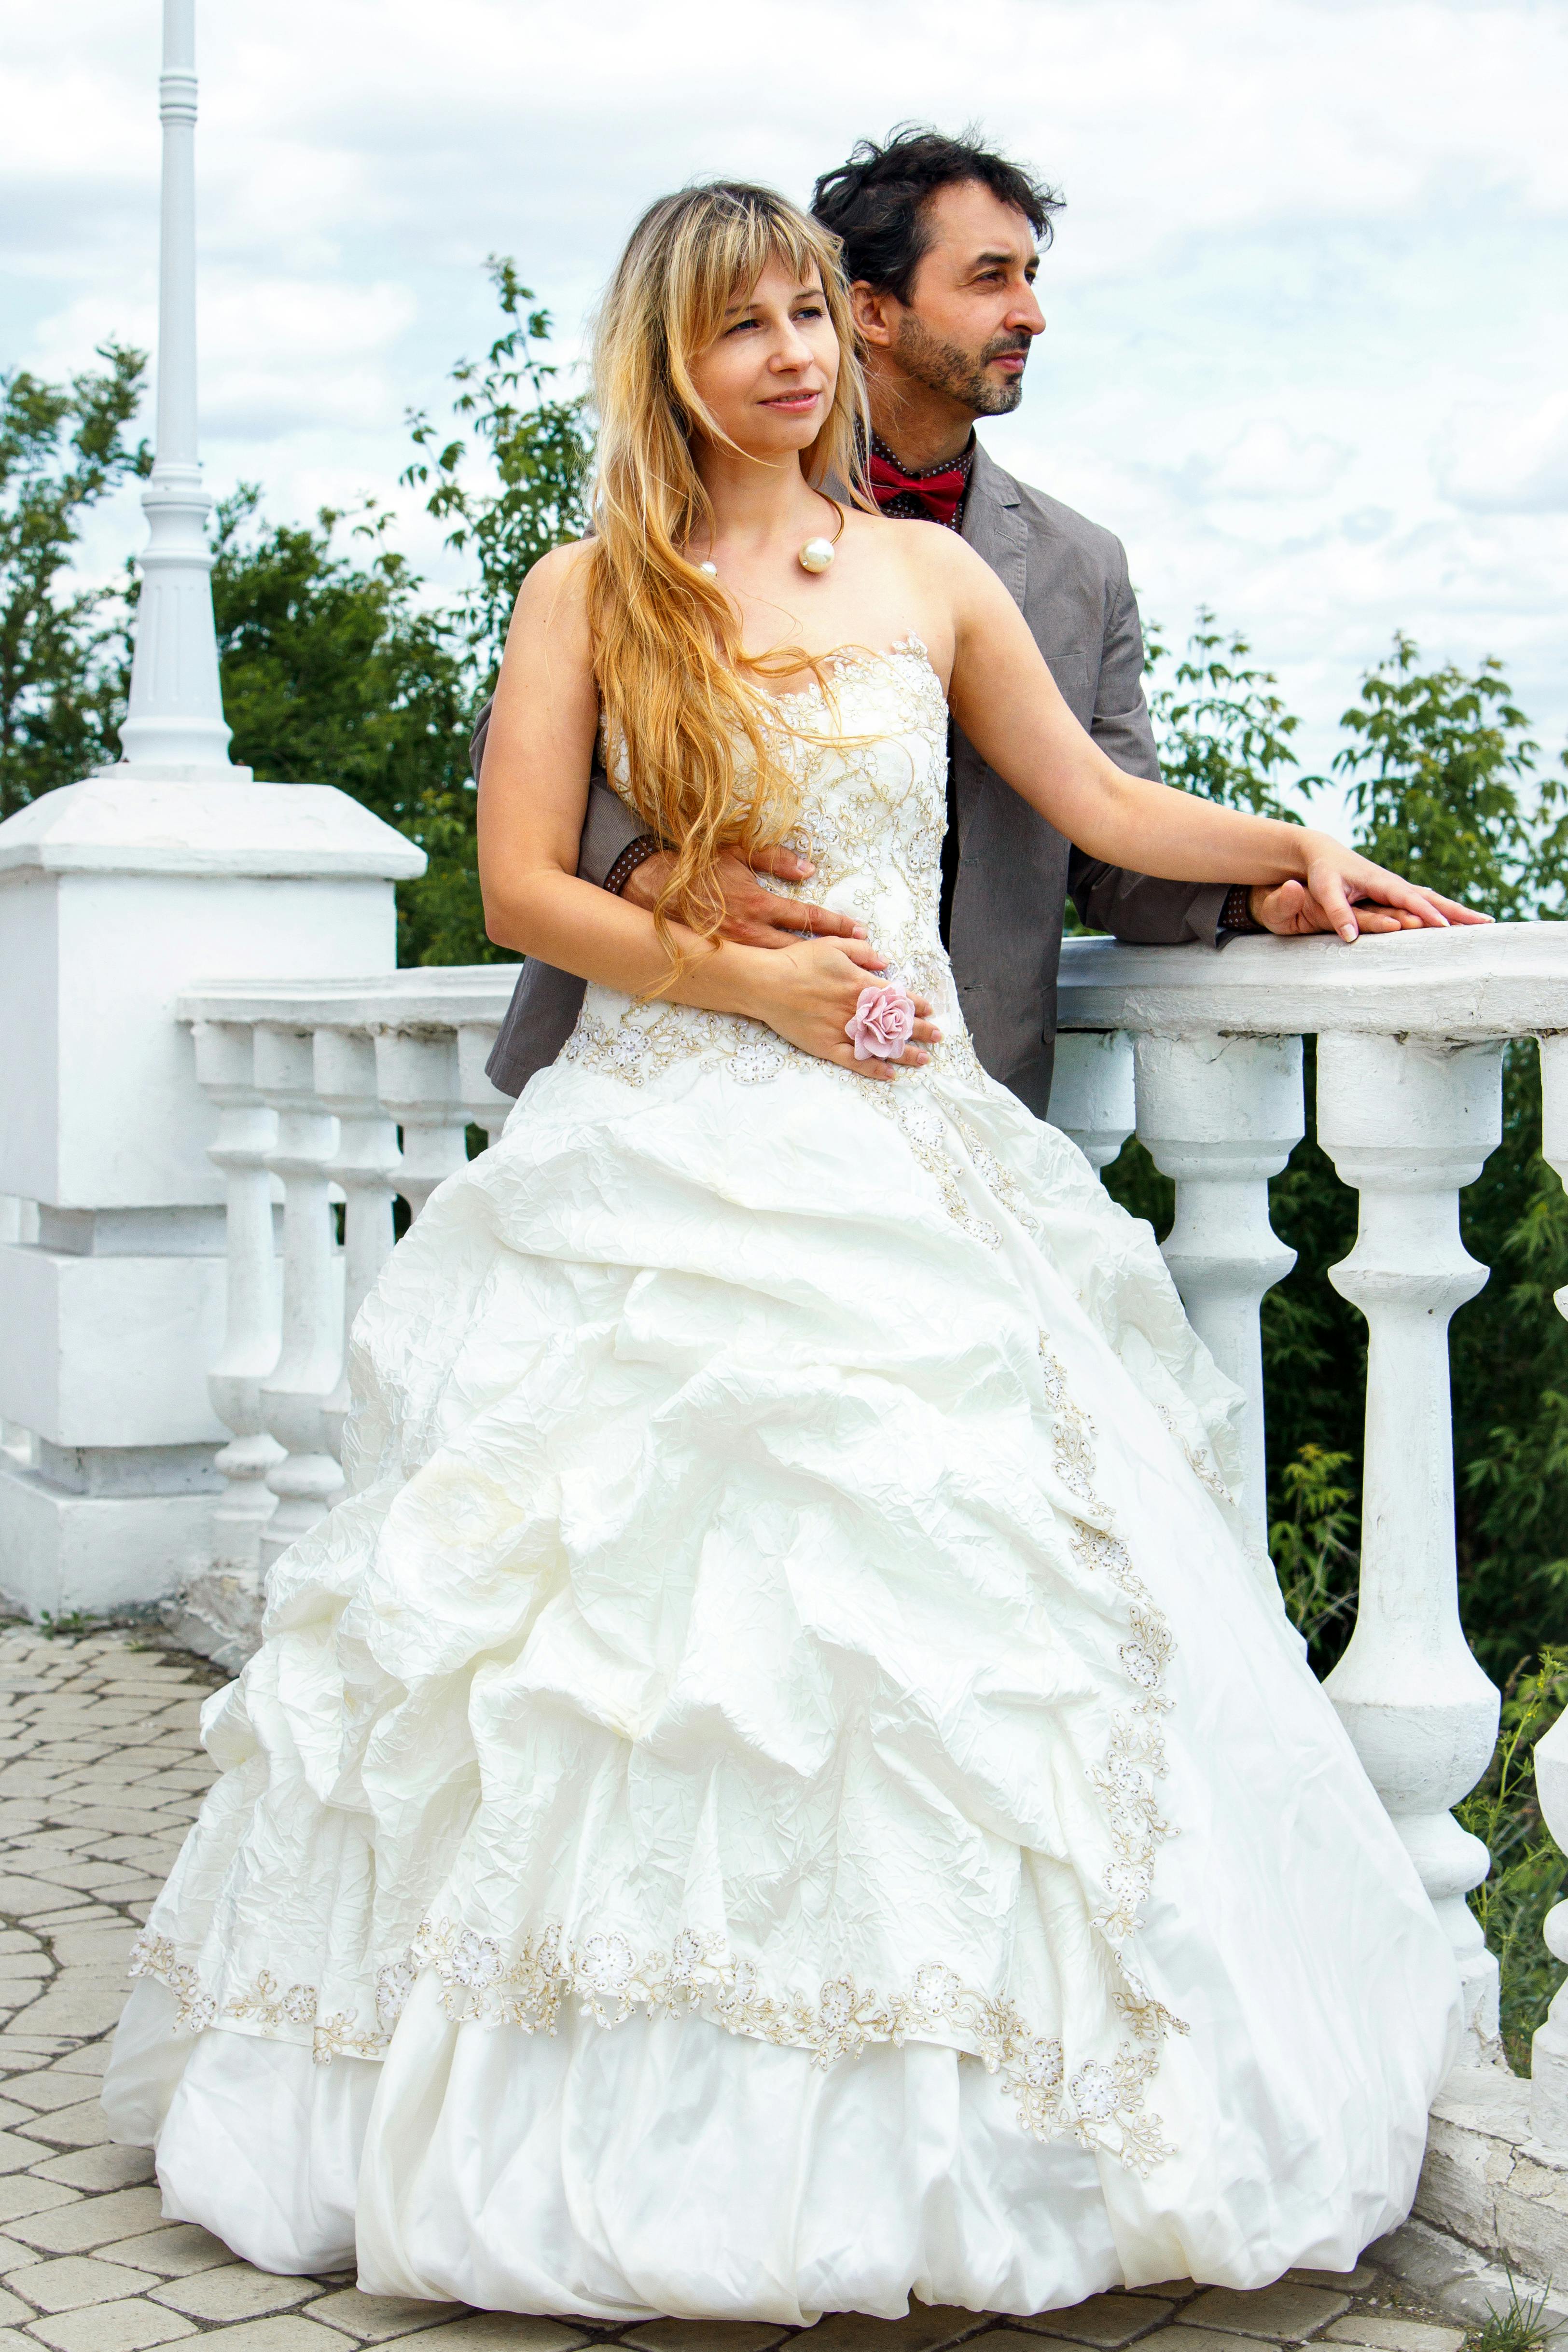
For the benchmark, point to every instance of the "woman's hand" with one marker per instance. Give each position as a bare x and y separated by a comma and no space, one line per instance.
807,995
1346,893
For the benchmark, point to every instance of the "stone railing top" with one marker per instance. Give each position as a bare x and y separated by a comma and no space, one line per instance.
119,822
1509,980
433,996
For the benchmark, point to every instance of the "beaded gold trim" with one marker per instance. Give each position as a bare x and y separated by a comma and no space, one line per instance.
1100,2102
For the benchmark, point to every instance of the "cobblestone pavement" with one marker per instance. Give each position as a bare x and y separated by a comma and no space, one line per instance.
100,1773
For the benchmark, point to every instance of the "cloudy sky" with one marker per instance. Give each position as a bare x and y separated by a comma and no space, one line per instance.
1307,336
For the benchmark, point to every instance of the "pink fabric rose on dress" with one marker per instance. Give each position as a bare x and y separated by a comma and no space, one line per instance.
883,1022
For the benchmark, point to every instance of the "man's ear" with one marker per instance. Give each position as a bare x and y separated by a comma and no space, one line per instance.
876,314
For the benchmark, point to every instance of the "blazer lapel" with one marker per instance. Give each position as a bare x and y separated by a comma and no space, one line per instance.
995,527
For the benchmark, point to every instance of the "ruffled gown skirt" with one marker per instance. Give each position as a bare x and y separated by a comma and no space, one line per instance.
784,1786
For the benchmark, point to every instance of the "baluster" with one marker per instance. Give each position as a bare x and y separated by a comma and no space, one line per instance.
247,1131
295,1393
1222,1115
416,1077
365,1165
1092,1092
1408,1122
483,1104
1548,2046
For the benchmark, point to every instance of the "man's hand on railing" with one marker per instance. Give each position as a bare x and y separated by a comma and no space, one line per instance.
1349,894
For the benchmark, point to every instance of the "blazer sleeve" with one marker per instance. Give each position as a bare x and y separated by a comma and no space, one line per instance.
608,825
1111,897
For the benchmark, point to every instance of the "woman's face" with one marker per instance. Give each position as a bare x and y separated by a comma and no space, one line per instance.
768,378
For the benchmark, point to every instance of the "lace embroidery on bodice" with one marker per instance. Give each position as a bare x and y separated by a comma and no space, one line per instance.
872,768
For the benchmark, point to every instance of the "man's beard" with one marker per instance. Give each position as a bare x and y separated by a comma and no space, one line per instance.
943,367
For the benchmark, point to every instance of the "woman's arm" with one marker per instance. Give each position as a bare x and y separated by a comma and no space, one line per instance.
1007,703
532,795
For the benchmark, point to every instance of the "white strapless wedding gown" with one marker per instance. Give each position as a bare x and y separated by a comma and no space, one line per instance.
782,1786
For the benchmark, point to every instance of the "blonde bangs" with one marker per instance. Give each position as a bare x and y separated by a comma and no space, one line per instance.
683,703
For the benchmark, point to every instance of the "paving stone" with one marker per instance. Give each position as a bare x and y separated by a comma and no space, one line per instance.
14,2256
80,2008
237,2292
21,1896
12,2307
112,2327
1200,2339
505,2331
290,2334
1393,2334
927,2327
16,2154
11,2341
178,2250
105,2166
1357,2281
1108,2320
84,2125
48,2087
698,2335
92,2221
20,2195
1283,2310
66,2285
374,2318
86,2058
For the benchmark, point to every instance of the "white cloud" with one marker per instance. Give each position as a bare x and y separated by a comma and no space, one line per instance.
1298,356
1507,459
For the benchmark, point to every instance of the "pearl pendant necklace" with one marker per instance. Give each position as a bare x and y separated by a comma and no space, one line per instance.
816,555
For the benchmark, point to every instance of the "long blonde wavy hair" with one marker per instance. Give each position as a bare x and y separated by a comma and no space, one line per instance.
683,703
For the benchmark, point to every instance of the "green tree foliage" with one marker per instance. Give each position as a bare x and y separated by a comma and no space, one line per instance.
1223,728
336,671
534,452
62,449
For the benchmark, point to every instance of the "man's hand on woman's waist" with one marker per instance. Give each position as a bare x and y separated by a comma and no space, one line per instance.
754,917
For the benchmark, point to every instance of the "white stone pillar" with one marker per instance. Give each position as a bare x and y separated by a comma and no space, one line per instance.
1409,1122
1221,1115
482,1105
417,1079
247,1133
296,1394
1548,2046
366,1166
1092,1092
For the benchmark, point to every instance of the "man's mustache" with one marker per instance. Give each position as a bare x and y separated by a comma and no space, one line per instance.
1007,345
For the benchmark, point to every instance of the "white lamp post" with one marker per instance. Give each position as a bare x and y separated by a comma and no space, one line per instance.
175,723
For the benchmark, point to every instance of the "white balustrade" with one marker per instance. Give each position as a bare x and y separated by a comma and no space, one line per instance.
1409,1031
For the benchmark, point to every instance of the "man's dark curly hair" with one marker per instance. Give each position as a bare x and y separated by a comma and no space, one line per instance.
877,201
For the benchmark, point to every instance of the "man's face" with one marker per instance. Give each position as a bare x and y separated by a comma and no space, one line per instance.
972,313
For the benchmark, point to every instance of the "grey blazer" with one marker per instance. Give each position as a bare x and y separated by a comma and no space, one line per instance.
1070,580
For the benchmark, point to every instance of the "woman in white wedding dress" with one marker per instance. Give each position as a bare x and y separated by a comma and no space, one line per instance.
784,1786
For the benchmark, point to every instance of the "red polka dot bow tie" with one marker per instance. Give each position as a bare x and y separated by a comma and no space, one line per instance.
935,497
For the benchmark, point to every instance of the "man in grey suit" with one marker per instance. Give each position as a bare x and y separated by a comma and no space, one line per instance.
941,242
